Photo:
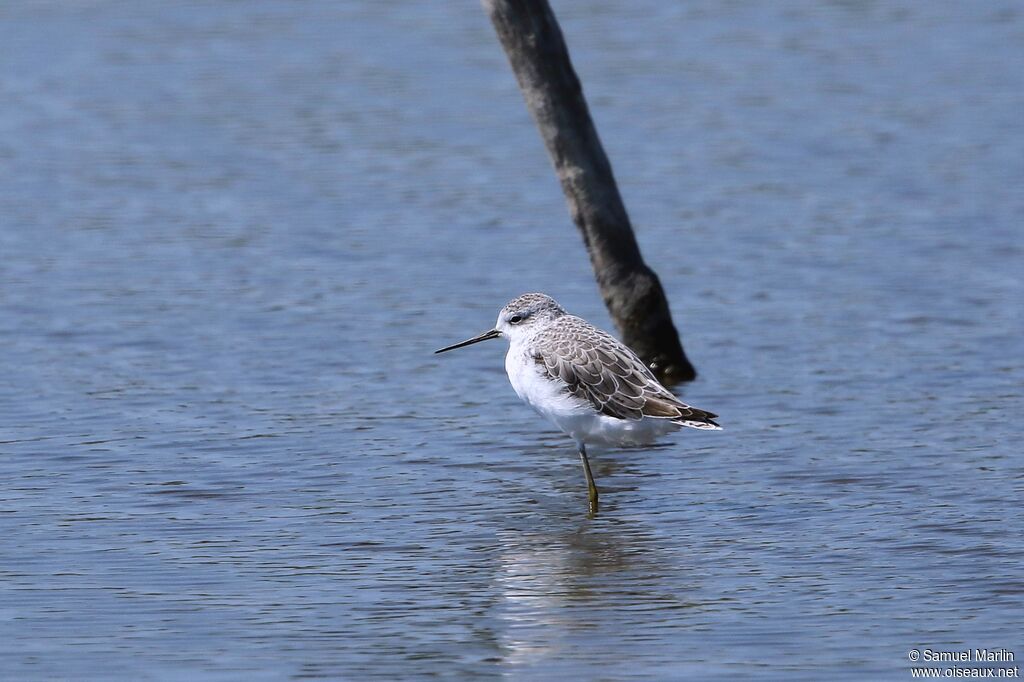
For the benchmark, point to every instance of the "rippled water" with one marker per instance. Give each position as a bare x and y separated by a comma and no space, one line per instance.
232,234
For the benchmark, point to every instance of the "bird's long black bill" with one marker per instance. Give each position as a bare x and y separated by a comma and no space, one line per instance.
493,334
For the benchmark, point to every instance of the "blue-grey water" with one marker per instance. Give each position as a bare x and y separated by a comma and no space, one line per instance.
231,234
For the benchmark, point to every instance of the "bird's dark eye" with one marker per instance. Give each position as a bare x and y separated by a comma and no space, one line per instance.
515,319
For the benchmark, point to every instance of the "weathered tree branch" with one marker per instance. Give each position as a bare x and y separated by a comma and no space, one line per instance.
533,41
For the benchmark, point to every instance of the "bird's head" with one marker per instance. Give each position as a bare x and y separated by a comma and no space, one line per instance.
519,318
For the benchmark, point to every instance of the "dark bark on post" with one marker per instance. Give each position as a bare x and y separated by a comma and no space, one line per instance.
533,41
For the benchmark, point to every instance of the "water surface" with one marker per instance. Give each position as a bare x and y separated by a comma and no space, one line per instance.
233,233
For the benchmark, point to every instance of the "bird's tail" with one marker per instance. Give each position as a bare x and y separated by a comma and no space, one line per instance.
698,419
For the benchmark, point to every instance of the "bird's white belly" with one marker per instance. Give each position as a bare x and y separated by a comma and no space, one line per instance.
574,416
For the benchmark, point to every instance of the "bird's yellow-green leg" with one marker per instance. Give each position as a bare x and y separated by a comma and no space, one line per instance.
591,487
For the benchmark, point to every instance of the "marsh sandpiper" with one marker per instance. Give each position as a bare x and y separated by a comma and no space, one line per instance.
585,381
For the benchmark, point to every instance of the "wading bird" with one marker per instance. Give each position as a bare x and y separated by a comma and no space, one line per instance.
584,380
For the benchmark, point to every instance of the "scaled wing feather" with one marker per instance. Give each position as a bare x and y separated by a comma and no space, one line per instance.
596,367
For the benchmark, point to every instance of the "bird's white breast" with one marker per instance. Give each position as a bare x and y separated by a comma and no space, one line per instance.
548,397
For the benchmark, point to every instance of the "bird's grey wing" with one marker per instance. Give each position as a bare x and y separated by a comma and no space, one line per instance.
597,377
596,367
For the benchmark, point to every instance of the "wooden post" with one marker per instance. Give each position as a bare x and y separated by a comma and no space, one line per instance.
533,41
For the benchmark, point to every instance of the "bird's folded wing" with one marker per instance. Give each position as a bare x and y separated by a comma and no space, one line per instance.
614,380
